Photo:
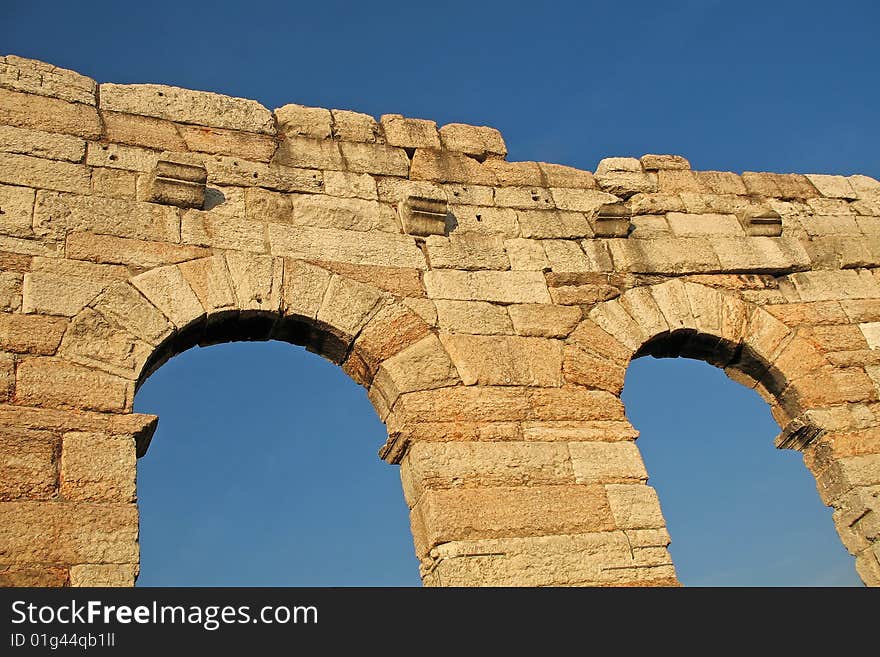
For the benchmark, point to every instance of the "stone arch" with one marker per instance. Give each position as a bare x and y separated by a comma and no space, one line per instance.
813,401
133,327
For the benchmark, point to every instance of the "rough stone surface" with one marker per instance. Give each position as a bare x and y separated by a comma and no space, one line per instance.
494,346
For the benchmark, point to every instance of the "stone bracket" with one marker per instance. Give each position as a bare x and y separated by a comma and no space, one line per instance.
798,434
177,183
612,220
761,223
422,216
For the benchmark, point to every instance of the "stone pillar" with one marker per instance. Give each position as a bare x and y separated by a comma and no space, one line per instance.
68,512
527,487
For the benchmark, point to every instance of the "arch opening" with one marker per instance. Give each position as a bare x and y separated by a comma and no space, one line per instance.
738,512
255,477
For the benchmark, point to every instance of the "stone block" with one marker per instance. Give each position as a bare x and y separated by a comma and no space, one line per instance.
489,221
526,255
697,225
551,224
35,77
667,162
524,198
500,287
48,114
256,281
566,256
44,174
421,366
47,145
354,126
468,251
515,511
581,200
612,220
56,383
247,145
583,369
187,106
211,281
177,183
51,294
409,133
634,506
122,250
348,305
39,576
449,167
544,320
31,334
97,468
478,141
623,176
516,174
505,360
16,210
559,176
301,121
223,170
682,255
168,290
309,153
478,317
68,533
103,575
377,159
29,465
350,185
603,462
55,215
126,306
833,186
356,247
114,183
136,130
303,288
449,465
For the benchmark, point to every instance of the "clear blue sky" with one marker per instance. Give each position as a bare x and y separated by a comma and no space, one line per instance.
263,470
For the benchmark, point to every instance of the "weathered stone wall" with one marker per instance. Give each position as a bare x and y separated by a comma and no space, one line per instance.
489,307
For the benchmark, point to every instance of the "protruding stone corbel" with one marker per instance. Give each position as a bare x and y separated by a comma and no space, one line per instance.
612,220
798,434
761,222
177,183
423,216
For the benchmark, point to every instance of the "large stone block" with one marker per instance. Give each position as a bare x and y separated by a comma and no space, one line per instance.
53,294
348,305
35,77
469,251
458,464
48,145
123,304
98,468
136,130
31,334
449,167
479,141
57,383
186,106
421,366
48,114
584,369
29,464
544,320
514,511
409,133
501,287
377,159
55,215
321,211
478,317
354,126
607,462
44,174
356,247
68,533
95,341
168,290
224,170
505,360
103,575
108,249
635,506
256,281
298,120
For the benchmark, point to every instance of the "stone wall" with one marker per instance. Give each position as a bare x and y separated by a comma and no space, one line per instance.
489,307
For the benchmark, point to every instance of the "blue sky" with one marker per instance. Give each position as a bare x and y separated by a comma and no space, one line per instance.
263,470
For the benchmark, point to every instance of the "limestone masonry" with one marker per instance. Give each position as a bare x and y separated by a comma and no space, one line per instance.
489,307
